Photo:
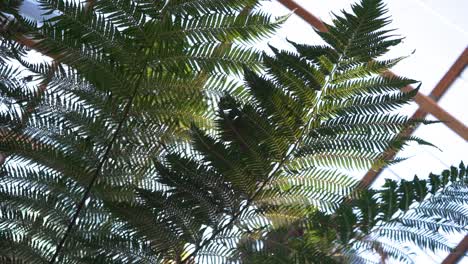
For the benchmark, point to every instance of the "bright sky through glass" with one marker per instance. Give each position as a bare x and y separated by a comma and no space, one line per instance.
438,33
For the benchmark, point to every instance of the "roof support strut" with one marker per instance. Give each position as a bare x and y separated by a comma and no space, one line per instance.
427,105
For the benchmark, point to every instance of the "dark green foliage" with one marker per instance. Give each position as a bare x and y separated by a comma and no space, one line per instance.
313,114
378,221
117,155
416,211
84,136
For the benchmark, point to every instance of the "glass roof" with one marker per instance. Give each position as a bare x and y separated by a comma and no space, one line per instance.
437,33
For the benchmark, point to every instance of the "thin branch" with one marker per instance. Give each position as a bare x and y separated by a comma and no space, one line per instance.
87,192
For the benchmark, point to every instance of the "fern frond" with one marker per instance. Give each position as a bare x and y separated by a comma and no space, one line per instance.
128,79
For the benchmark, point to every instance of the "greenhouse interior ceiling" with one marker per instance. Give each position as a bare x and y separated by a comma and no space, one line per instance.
248,131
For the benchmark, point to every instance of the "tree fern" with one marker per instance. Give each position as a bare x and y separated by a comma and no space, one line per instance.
422,209
127,77
314,114
379,223
119,160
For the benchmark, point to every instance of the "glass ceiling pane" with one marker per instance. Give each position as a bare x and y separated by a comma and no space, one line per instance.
436,31
455,100
437,41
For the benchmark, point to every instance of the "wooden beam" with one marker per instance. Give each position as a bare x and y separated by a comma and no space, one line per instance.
425,102
430,106
372,175
304,14
439,90
451,75
458,253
